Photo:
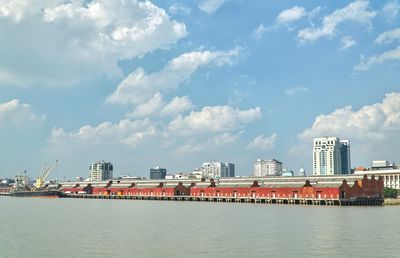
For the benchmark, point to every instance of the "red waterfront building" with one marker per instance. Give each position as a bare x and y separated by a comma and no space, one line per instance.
342,190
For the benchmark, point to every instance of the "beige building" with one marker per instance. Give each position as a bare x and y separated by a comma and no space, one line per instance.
100,171
269,167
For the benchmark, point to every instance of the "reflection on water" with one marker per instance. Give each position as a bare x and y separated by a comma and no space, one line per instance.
126,228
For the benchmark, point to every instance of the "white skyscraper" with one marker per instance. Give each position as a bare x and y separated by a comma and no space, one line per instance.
217,169
271,167
331,156
100,171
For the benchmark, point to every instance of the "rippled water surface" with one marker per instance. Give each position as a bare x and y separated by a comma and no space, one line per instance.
127,228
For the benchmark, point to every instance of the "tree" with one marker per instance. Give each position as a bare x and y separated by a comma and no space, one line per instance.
390,192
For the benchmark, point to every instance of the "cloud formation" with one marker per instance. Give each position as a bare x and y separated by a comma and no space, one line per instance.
259,31
214,119
388,36
17,113
366,63
216,126
179,9
127,132
139,87
372,122
384,38
67,41
290,15
211,6
156,106
177,105
295,90
262,142
347,42
358,11
391,10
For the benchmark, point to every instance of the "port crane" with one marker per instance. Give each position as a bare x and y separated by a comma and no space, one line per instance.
44,173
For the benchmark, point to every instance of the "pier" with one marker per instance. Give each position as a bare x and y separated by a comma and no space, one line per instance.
294,201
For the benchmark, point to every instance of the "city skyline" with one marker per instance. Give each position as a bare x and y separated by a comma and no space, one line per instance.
177,83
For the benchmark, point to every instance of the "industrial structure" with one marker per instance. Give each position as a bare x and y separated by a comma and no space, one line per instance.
41,188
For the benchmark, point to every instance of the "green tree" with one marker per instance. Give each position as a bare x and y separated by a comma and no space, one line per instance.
390,192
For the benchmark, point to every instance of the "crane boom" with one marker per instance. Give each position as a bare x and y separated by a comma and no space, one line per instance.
44,174
49,170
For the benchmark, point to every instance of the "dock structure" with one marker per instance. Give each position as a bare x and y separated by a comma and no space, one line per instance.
327,190
294,201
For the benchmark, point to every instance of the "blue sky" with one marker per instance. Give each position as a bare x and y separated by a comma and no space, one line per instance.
176,83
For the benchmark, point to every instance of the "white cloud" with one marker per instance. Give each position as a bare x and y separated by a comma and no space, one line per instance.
366,63
262,142
177,105
214,119
357,12
211,6
127,132
373,131
290,15
392,54
179,9
191,146
195,145
295,90
14,9
388,36
225,138
66,41
152,106
372,122
259,31
391,10
238,96
134,139
157,106
138,87
17,113
347,42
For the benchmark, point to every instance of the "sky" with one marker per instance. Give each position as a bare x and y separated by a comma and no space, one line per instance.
177,83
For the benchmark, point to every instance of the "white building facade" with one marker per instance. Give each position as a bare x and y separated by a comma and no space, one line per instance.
100,171
331,156
269,167
217,169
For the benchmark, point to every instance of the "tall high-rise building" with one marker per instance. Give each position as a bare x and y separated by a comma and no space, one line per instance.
270,167
230,170
217,169
158,173
345,161
100,171
331,156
